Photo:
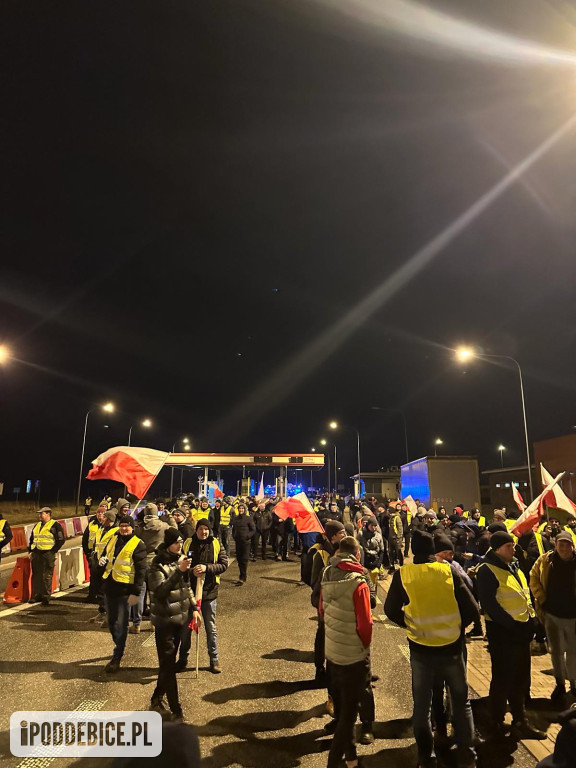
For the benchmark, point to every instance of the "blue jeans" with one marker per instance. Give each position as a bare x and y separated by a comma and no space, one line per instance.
137,610
208,610
117,609
429,670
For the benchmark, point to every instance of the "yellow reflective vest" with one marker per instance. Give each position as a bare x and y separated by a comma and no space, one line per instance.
103,536
200,514
538,537
186,548
93,528
432,615
566,528
122,566
43,536
226,513
513,596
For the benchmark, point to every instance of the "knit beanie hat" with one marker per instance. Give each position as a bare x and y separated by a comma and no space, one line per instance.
454,518
442,543
150,510
332,527
110,514
494,527
205,522
171,536
372,521
500,538
422,544
349,528
126,519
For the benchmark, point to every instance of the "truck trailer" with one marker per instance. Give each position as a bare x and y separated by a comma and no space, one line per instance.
442,481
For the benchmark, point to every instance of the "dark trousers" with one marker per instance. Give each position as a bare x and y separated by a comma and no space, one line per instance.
396,555
242,556
260,536
347,684
319,645
167,643
117,610
42,570
282,546
407,535
511,671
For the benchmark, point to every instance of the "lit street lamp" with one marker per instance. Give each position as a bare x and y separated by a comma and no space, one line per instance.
502,448
146,423
334,425
437,442
186,446
5,354
333,445
463,354
108,408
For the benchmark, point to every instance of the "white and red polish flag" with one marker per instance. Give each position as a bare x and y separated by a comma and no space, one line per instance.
300,509
518,499
534,511
135,467
556,497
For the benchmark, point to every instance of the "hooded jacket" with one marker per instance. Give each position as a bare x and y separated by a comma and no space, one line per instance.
202,552
371,541
171,597
151,529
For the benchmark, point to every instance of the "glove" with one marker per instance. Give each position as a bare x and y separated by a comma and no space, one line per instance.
102,562
133,599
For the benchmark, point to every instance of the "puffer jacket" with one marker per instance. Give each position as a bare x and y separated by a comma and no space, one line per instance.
371,542
151,531
243,528
171,597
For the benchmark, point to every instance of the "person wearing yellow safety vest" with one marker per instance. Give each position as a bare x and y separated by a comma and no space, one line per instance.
406,517
571,528
203,511
476,515
46,539
509,615
209,558
223,515
89,545
6,534
395,534
105,532
433,603
124,570
553,583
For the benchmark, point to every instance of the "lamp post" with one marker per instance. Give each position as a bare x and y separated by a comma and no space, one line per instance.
333,445
108,408
463,354
146,423
186,444
437,442
334,425
403,417
502,448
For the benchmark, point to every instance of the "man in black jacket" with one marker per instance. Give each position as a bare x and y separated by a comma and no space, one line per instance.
243,530
208,558
435,606
46,539
124,564
172,605
186,526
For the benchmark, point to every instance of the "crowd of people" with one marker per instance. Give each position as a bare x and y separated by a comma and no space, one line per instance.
165,561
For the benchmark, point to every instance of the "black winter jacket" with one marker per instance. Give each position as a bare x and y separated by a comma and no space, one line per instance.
202,552
243,528
171,596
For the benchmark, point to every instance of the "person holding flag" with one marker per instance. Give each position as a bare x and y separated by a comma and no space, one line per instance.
208,561
171,604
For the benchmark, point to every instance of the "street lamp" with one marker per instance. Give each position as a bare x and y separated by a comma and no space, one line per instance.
502,448
5,354
108,408
186,446
146,423
464,354
333,445
437,442
334,425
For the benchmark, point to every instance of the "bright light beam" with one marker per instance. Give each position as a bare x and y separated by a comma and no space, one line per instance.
273,390
427,25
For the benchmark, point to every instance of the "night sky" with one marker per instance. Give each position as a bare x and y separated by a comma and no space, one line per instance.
215,216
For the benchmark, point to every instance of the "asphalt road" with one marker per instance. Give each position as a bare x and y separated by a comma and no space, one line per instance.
262,710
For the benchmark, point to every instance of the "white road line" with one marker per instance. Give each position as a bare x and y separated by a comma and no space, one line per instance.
405,651
54,596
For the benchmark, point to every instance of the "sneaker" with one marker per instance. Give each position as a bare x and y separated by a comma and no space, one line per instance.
559,693
475,634
181,665
45,601
330,726
366,735
215,668
238,583
34,600
522,729
177,716
112,666
134,629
